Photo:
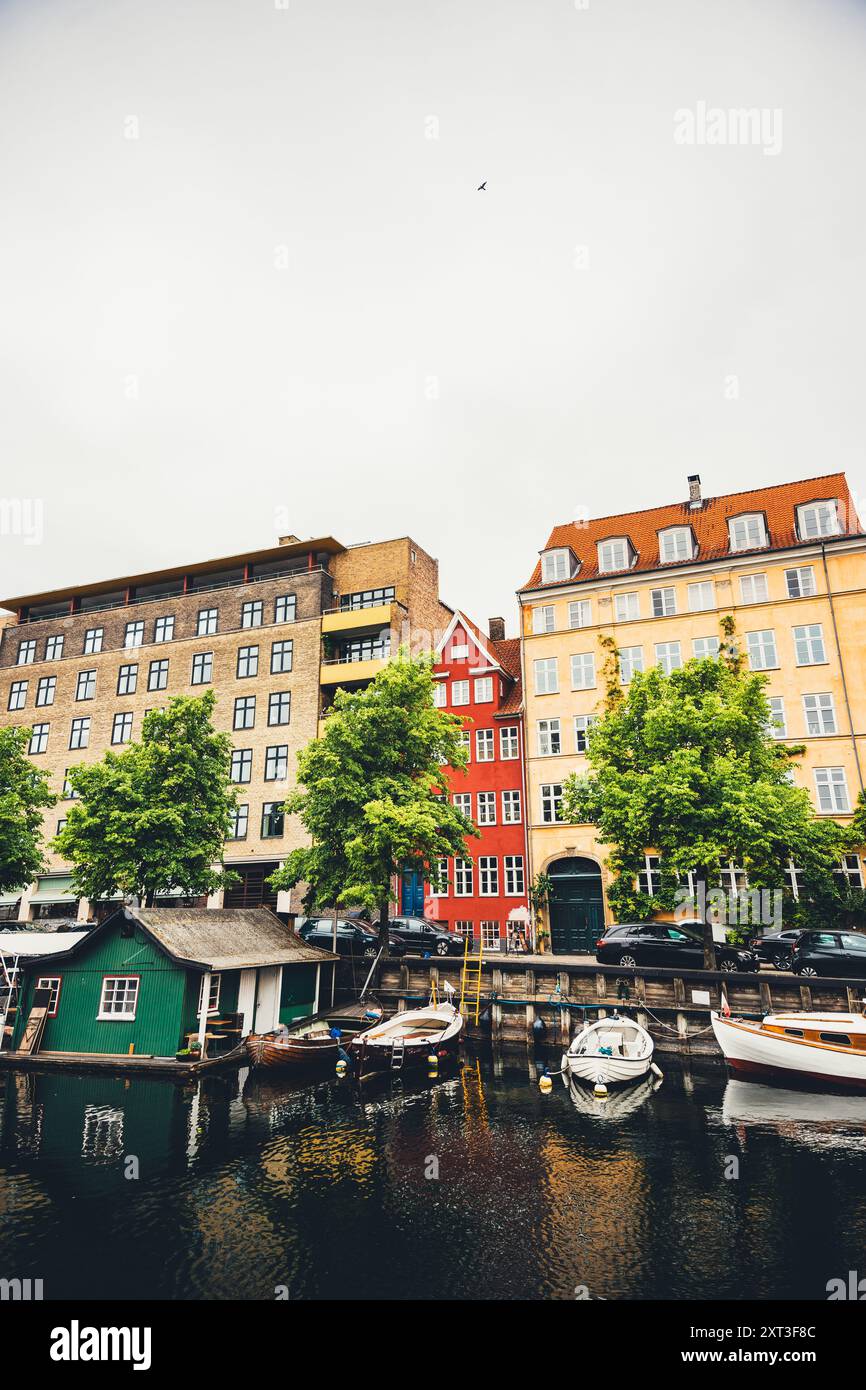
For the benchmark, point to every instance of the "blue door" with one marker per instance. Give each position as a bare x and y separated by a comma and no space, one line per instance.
411,893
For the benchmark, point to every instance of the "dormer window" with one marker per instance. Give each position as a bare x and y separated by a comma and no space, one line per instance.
816,519
748,532
614,555
557,565
676,543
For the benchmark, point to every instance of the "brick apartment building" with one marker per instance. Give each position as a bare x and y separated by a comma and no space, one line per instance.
273,633
478,677
788,562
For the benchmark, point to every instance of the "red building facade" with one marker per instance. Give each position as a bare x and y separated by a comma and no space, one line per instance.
478,678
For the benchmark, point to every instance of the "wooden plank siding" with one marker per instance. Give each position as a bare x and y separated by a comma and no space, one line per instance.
157,1026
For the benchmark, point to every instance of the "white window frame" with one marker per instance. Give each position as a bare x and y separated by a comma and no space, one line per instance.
778,716
131,987
213,998
543,618
556,565
811,638
582,725
462,801
816,709
669,655
511,803
626,607
548,736
54,983
549,798
753,588
546,670
663,602
463,878
676,543
514,876
459,693
747,532
580,613
583,675
488,875
763,653
485,741
818,518
614,555
701,655
697,593
486,802
826,781
483,690
631,664
797,586
509,743
440,694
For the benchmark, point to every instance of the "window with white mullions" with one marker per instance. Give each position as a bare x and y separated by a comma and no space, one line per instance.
800,582
762,650
820,714
850,871
778,723
551,802
549,740
816,519
649,880
511,808
508,745
488,876
664,602
119,997
213,998
486,808
809,644
831,785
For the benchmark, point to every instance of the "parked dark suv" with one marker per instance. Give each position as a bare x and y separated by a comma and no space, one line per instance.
673,945
840,953
419,936
353,938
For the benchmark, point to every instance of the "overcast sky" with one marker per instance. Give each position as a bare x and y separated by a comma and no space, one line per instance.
248,284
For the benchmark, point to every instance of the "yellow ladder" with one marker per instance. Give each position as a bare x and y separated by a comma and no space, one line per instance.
470,980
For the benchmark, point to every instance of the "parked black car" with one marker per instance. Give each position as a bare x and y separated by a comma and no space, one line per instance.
673,945
353,938
840,953
777,947
418,936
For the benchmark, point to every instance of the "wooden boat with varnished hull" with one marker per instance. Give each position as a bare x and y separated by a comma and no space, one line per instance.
813,1049
308,1043
408,1040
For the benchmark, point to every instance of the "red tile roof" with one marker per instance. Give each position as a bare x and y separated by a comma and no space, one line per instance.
708,522
507,654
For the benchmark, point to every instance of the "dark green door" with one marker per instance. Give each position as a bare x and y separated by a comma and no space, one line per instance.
576,907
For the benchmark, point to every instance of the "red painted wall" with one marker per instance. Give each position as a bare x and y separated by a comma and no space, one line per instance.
497,776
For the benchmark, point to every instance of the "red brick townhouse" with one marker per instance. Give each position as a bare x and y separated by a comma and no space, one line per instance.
478,677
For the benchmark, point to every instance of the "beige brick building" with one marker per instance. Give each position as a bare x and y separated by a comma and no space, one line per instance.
273,633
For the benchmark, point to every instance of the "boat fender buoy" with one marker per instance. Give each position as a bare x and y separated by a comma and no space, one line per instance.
341,1067
545,1084
657,1071
336,1033
599,1089
433,1061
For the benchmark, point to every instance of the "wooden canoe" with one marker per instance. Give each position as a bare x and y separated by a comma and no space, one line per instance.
307,1044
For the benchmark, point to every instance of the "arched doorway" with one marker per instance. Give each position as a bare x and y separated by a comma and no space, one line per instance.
576,906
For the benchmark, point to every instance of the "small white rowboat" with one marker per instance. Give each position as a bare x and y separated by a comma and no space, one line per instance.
610,1052
823,1049
408,1040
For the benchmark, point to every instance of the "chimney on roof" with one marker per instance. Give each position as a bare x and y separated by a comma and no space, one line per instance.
496,628
695,500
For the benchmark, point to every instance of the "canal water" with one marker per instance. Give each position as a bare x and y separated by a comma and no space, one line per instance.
479,1186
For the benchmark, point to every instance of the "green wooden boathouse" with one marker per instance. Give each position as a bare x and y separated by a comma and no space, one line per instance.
147,982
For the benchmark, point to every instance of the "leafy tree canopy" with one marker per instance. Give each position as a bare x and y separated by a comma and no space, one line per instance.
685,765
367,792
24,795
155,816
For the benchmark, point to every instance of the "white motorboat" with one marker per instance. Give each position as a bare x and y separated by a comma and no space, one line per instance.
414,1038
611,1051
824,1049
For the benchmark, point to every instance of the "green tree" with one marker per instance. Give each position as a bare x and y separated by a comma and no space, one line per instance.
24,795
367,793
685,766
155,816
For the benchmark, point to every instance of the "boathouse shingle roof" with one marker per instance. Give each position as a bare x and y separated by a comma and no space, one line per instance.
229,938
